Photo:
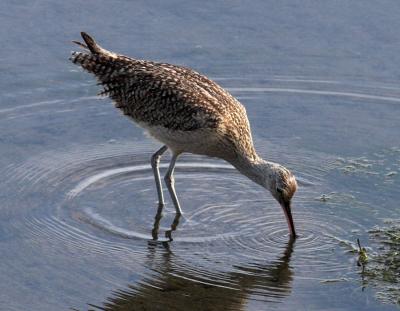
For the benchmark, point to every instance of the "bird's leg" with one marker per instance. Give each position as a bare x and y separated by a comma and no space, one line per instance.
156,225
169,180
155,161
174,225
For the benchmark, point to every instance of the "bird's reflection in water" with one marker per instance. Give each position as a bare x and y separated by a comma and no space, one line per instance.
173,289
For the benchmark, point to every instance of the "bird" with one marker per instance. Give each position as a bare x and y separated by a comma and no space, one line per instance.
187,113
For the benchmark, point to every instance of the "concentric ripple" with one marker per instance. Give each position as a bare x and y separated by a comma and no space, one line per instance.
92,201
105,200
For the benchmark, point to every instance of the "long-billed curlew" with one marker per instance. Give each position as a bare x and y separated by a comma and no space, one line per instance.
187,112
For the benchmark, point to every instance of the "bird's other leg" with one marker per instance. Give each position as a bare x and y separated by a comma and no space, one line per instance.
155,161
174,225
169,180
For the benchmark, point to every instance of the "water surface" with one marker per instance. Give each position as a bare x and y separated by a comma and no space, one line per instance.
79,217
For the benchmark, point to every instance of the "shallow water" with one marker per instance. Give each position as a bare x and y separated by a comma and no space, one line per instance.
79,220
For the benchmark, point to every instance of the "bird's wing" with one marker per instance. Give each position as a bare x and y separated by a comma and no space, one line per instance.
171,96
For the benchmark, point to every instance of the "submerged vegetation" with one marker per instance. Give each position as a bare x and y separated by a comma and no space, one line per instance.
378,257
362,254
384,165
383,269
379,263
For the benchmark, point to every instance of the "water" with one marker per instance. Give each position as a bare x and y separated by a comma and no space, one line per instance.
79,213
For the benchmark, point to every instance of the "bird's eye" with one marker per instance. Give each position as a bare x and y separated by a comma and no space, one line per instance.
279,190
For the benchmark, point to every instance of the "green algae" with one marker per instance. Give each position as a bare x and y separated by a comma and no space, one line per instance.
383,164
328,281
383,268
362,254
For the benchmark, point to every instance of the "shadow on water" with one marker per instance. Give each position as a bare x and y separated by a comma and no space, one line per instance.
166,290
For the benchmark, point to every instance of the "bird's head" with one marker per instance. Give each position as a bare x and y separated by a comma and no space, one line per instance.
283,185
275,178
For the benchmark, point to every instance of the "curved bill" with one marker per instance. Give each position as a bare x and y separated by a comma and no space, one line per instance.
288,214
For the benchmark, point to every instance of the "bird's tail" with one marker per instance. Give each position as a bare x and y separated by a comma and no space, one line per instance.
91,45
95,59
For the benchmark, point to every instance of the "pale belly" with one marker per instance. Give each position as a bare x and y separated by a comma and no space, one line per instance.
203,141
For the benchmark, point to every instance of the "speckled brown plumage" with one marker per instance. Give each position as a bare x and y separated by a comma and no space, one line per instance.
173,97
187,112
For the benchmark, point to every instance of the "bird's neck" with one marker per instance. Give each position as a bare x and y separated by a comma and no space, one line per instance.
256,169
